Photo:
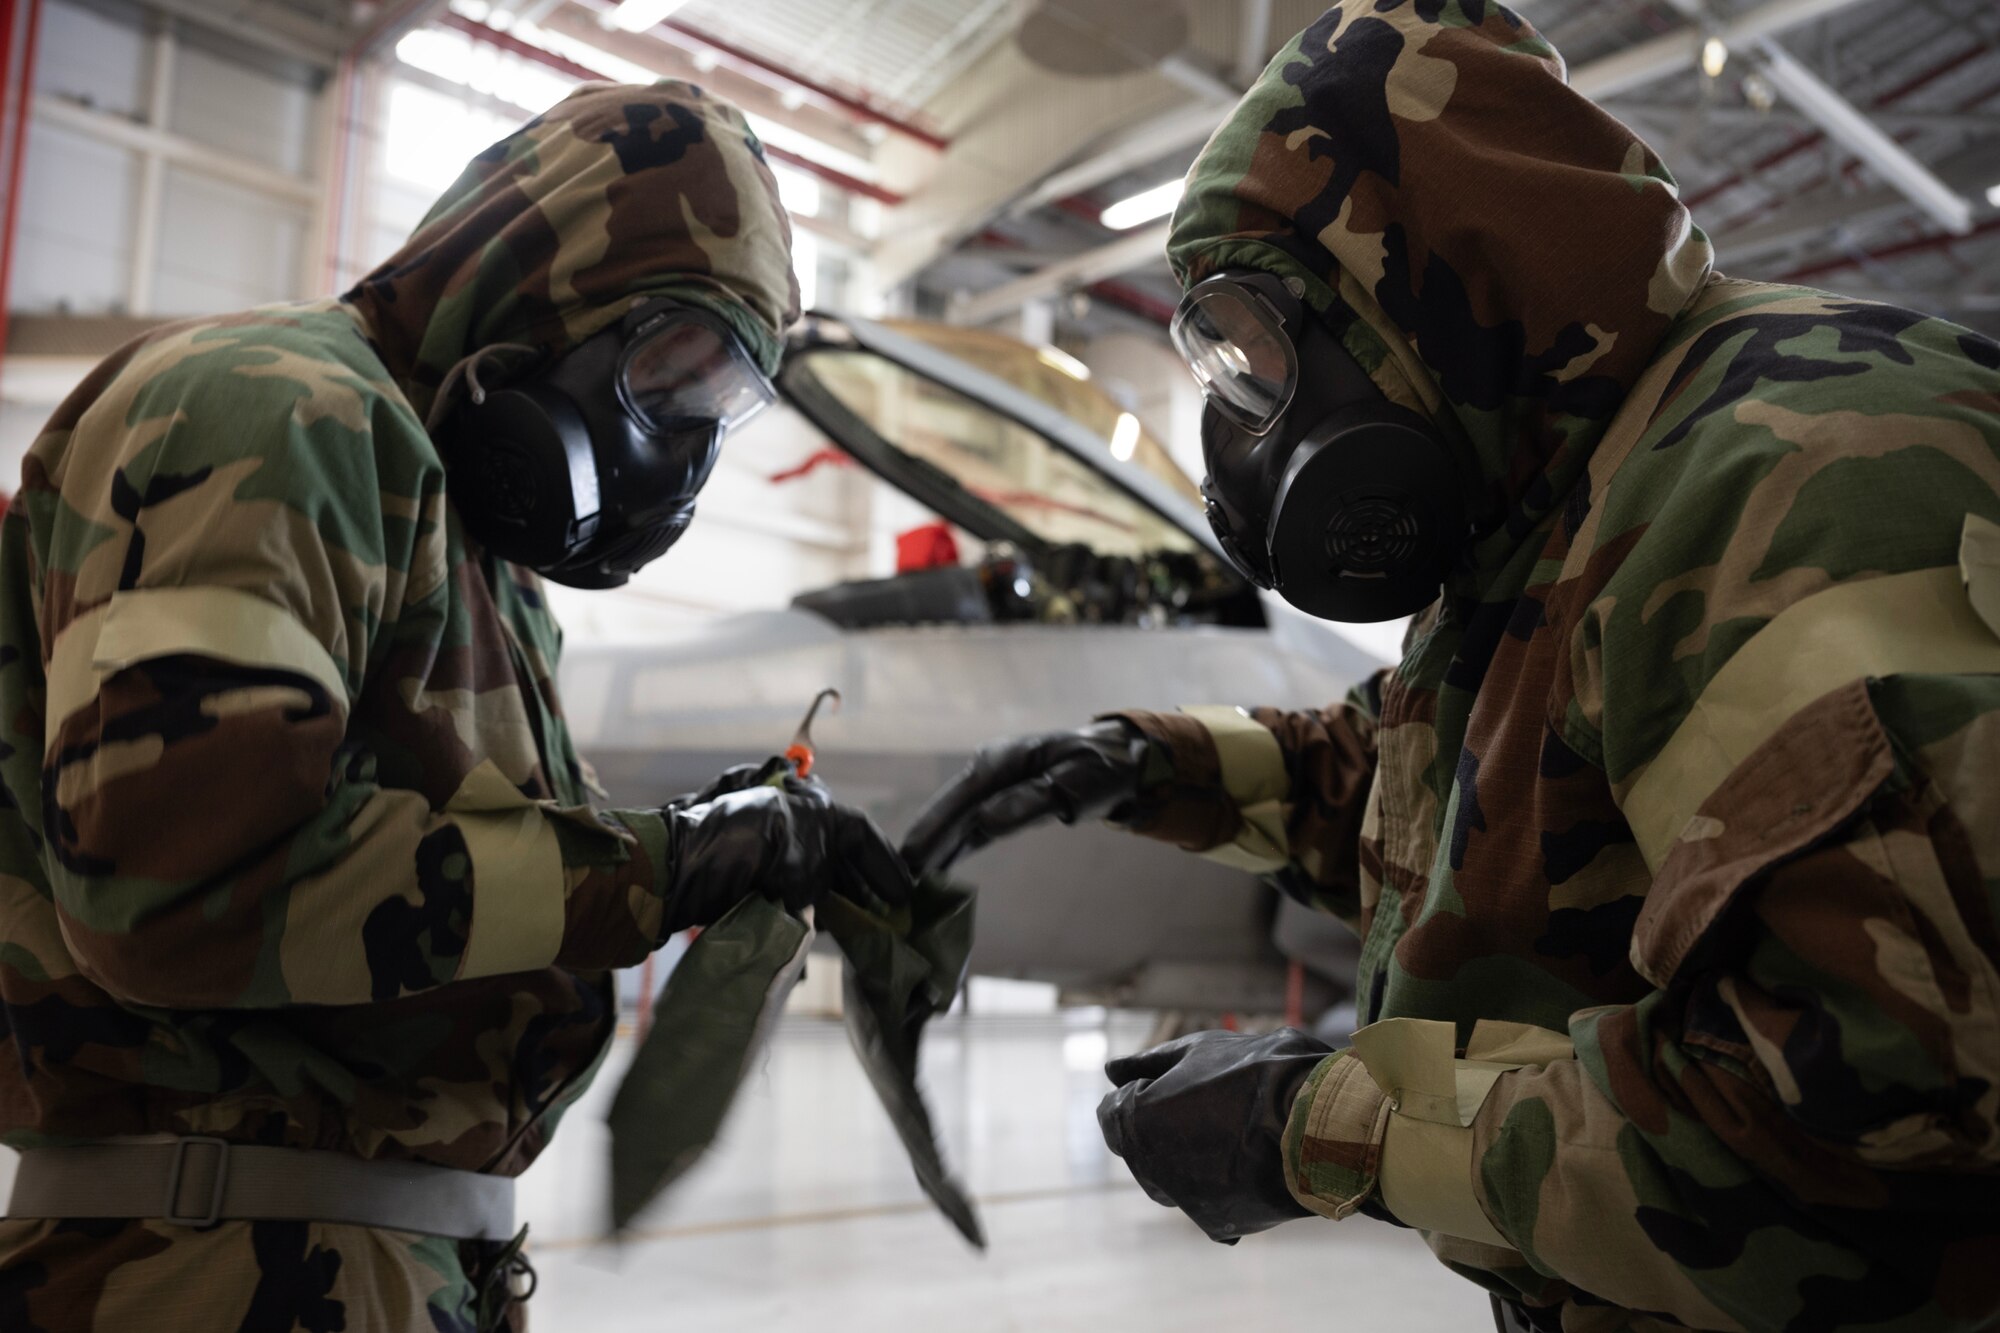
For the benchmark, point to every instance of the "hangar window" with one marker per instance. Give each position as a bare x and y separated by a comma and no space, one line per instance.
431,136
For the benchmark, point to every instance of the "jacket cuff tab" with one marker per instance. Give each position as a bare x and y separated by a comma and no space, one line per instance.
517,876
1393,1116
1253,774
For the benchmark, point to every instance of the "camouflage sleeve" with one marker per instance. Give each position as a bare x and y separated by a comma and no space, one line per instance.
212,609
202,808
1274,791
1805,1116
1800,1124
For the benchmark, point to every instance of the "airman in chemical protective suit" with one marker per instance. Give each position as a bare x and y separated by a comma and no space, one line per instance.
1672,838
306,920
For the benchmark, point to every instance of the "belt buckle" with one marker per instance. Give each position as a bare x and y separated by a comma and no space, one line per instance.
214,1213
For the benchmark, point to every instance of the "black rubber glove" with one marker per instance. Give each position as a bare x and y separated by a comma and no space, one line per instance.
790,846
1201,1123
1093,772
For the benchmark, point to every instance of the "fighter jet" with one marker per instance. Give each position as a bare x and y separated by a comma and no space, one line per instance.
1069,571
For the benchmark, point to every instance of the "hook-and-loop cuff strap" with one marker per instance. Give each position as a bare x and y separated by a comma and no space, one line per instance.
1391,1117
1254,777
518,903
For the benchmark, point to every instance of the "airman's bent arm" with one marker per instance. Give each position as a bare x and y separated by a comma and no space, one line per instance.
215,609
1291,806
1804,1117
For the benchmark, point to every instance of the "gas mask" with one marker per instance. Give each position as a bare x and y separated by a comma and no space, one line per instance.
588,467
1348,506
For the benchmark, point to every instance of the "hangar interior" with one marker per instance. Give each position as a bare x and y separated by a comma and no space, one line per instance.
988,181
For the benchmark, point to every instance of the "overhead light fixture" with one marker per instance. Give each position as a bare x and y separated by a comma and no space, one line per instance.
1142,207
640,15
1055,358
1758,93
1847,126
1125,437
1714,54
1993,196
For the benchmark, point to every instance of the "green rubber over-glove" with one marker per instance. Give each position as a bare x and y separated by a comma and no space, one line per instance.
712,1018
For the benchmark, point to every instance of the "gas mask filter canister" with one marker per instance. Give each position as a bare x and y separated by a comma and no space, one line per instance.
1318,487
588,468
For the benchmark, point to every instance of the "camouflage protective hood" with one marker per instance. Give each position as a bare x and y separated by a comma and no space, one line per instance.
614,195
1497,251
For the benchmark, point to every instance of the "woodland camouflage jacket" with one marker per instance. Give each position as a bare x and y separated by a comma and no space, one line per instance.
1697,761
296,848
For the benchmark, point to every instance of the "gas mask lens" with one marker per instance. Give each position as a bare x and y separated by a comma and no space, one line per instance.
1239,353
686,371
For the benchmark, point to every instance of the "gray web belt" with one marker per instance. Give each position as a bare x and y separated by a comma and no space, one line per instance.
198,1181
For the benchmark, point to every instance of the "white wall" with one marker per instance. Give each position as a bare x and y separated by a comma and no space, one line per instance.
75,227
224,247
92,58
220,246
74,244
86,216
246,112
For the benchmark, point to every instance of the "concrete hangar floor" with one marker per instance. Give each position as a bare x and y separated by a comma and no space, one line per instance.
806,1215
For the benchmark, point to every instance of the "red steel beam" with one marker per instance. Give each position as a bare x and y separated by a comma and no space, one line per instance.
1919,245
507,41
346,94
9,20
345,90
1111,291
365,44
17,151
1129,298
1815,137
858,107
832,176
1847,168
766,69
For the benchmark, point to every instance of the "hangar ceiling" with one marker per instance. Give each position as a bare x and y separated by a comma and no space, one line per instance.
1782,196
1008,211
899,51
1832,147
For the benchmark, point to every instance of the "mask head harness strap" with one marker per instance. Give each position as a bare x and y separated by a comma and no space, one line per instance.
587,467
1318,487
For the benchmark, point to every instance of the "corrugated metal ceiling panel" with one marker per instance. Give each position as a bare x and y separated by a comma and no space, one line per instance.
898,51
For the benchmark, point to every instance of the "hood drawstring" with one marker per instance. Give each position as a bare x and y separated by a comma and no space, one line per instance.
466,371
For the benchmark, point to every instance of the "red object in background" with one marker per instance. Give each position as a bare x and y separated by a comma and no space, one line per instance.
21,93
643,1020
816,460
929,547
